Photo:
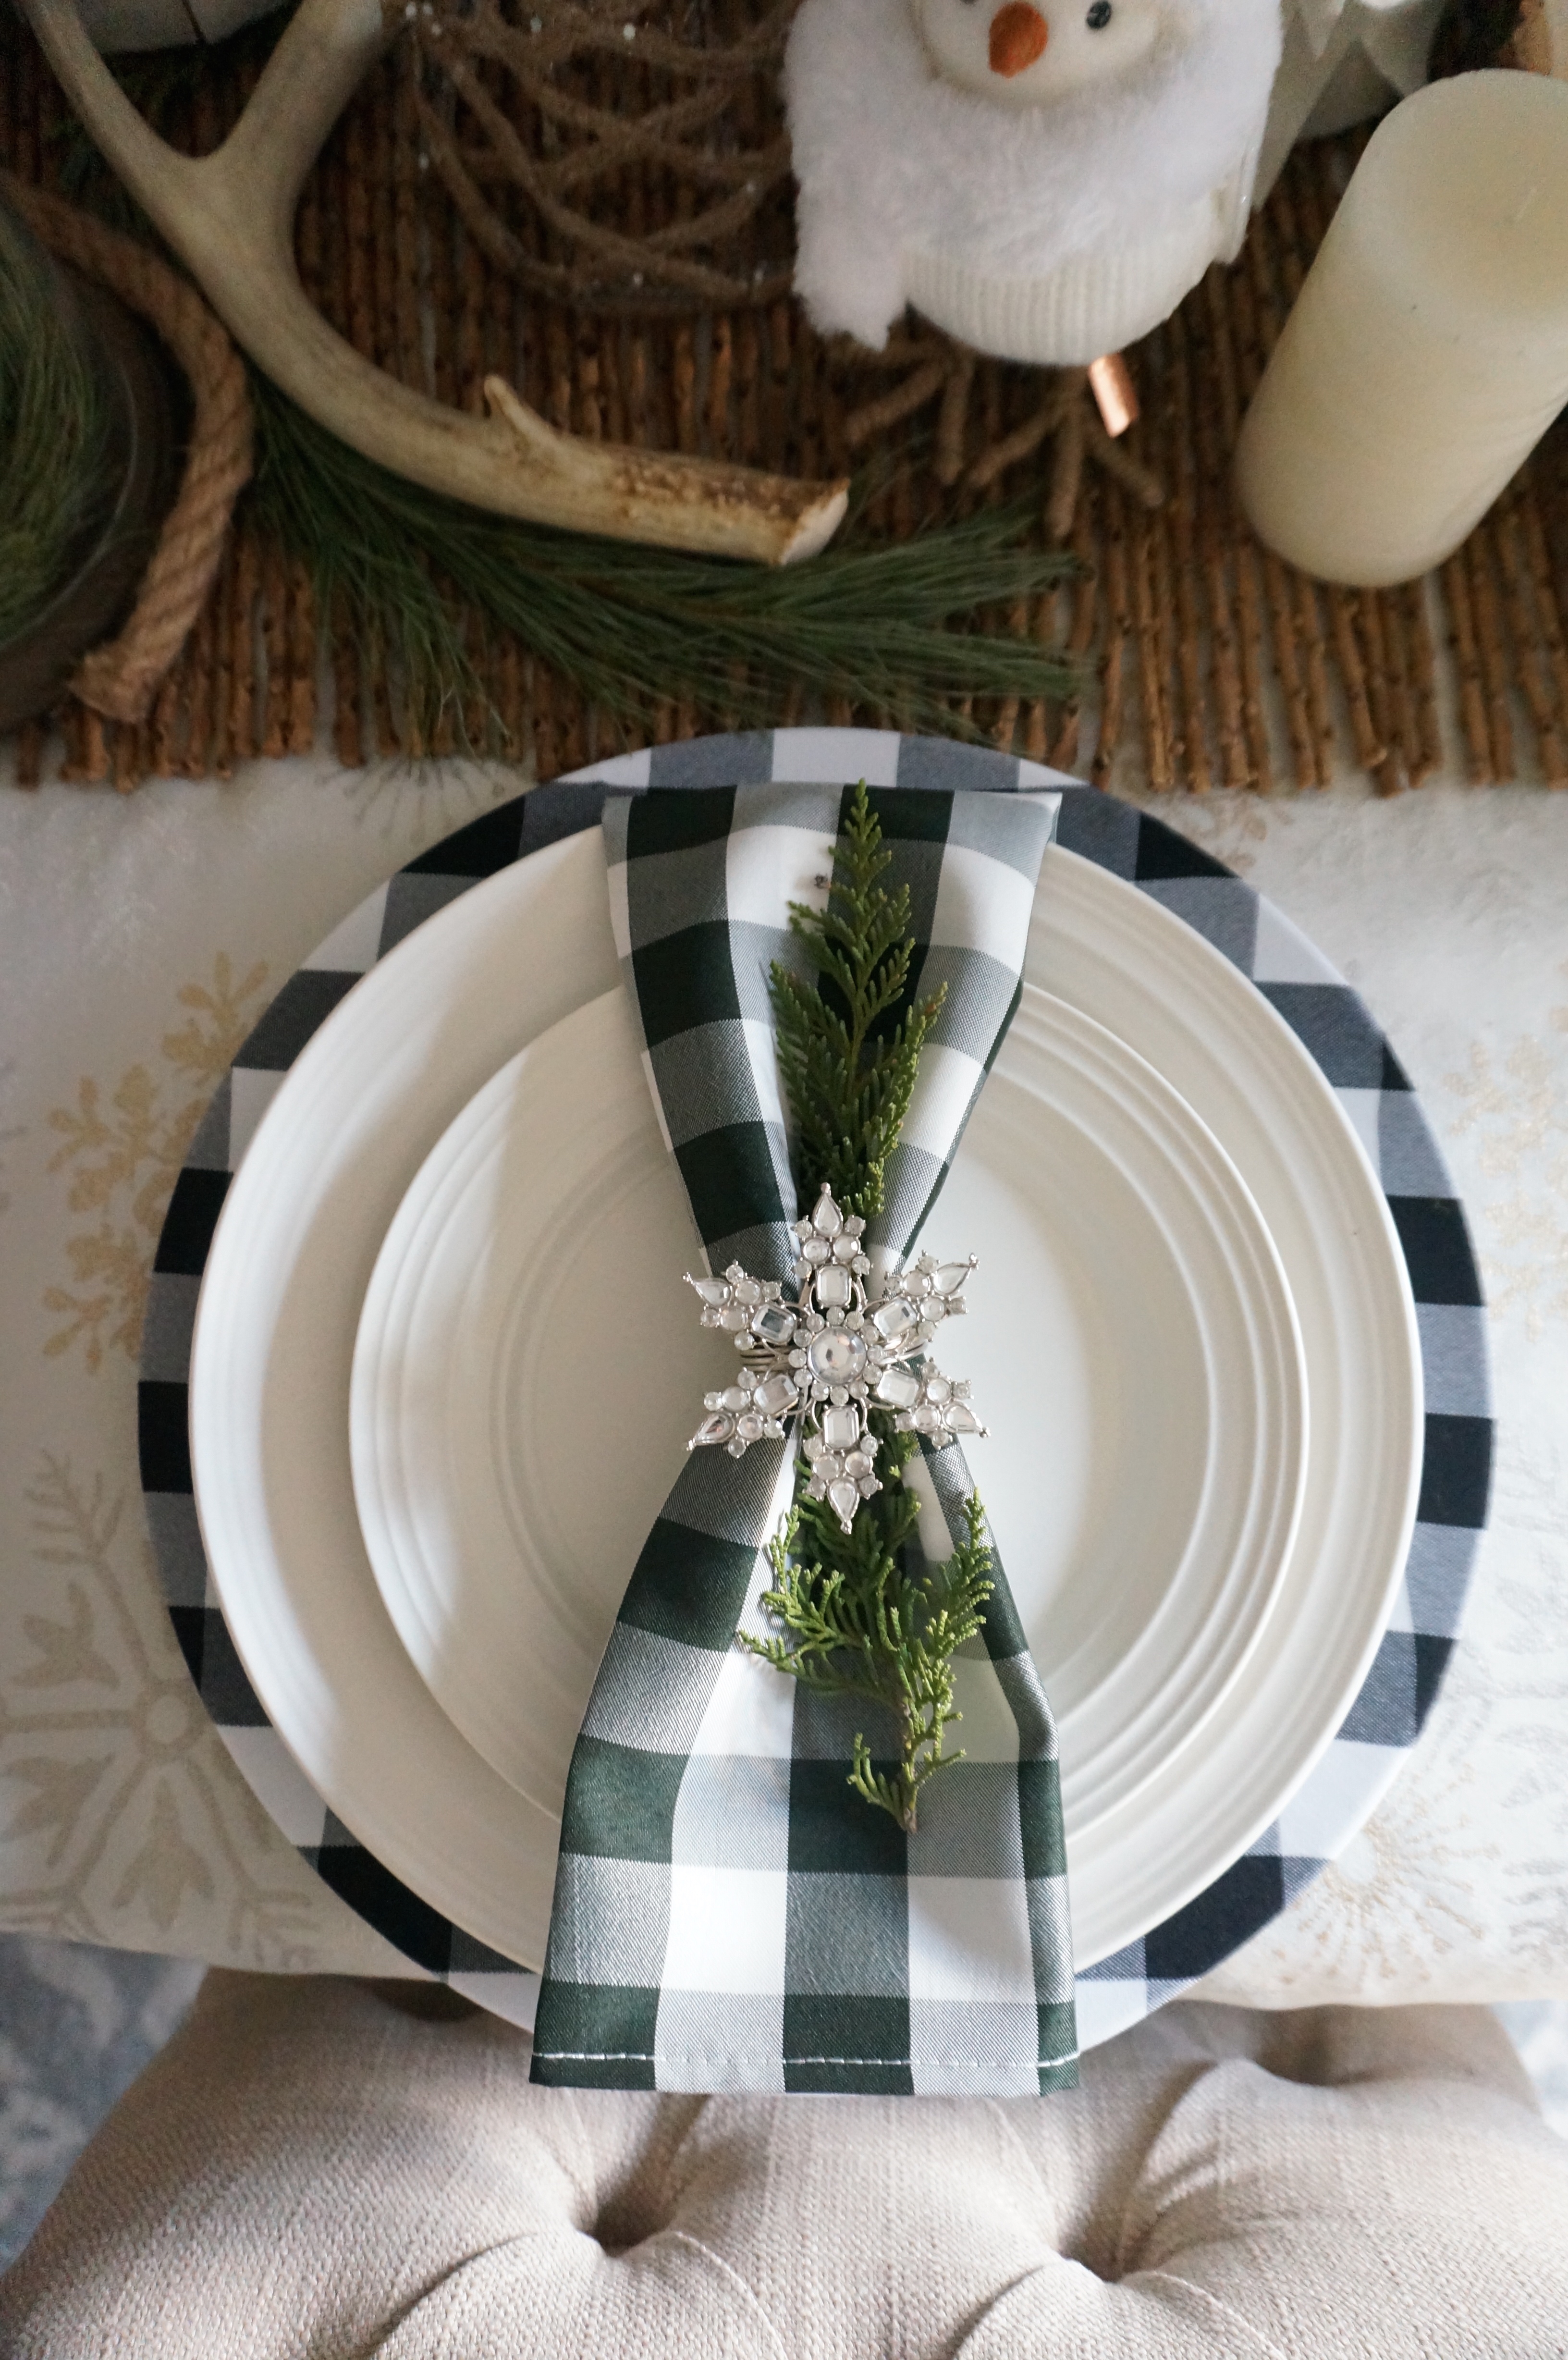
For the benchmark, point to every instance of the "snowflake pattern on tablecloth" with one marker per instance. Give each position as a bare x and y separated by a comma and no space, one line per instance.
123,1150
138,1811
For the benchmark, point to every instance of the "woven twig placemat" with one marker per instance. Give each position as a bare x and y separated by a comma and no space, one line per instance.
1214,664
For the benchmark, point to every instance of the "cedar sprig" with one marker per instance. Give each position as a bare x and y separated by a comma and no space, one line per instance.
855,1622
853,1617
848,1075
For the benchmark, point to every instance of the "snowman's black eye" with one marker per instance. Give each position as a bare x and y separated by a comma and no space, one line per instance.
1099,15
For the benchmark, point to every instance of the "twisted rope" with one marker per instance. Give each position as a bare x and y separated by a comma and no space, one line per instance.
120,678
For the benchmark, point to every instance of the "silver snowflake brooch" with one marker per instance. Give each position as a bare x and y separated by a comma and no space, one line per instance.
827,1355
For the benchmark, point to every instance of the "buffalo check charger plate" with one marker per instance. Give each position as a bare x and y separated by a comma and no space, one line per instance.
1233,1367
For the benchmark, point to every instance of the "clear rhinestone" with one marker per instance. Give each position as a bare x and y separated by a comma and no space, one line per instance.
857,1464
827,1220
829,1468
749,1428
844,1498
925,1420
776,1392
815,1250
845,1248
713,1429
736,1317
841,1428
835,1354
894,1318
952,1275
938,1389
833,1287
813,1446
962,1420
917,1281
747,1290
710,1290
868,1484
901,1387
735,1397
853,1224
773,1324
735,1449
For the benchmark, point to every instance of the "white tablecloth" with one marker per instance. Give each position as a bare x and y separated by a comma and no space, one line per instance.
138,939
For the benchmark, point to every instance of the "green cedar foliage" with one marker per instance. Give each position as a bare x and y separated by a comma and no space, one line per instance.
862,1613
847,1079
855,1621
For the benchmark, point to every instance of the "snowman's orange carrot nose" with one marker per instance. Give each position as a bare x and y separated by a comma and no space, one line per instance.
1018,36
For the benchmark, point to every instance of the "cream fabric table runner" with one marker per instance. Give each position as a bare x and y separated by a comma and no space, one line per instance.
139,940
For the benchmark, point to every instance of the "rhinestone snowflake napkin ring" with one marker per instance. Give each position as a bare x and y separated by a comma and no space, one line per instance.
828,1356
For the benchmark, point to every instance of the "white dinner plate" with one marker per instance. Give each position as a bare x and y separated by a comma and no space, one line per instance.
529,1365
333,1155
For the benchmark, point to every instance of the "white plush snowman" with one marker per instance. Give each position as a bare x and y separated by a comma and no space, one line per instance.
1044,178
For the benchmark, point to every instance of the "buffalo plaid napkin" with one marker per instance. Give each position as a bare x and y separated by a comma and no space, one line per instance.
729,1915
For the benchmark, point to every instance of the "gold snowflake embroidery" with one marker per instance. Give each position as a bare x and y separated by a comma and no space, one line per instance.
122,1153
114,1783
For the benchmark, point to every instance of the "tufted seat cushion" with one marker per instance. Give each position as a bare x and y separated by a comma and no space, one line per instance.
308,2169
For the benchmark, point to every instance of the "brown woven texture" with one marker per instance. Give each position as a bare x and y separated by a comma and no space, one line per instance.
1194,637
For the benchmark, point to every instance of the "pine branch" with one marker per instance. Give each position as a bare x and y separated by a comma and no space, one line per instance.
848,1077
888,627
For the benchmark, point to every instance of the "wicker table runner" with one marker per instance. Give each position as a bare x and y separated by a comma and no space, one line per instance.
1213,663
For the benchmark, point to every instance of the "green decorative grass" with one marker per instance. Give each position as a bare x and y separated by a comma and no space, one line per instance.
57,479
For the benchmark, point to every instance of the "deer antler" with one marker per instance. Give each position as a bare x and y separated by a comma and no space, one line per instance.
230,217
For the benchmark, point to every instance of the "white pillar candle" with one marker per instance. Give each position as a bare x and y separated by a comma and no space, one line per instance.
1428,350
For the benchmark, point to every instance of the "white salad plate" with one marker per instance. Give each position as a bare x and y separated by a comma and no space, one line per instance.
529,1366
334,1154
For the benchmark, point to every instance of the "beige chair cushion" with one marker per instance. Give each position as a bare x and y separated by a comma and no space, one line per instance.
310,2170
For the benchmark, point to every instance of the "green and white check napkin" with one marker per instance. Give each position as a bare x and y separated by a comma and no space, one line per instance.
729,1915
